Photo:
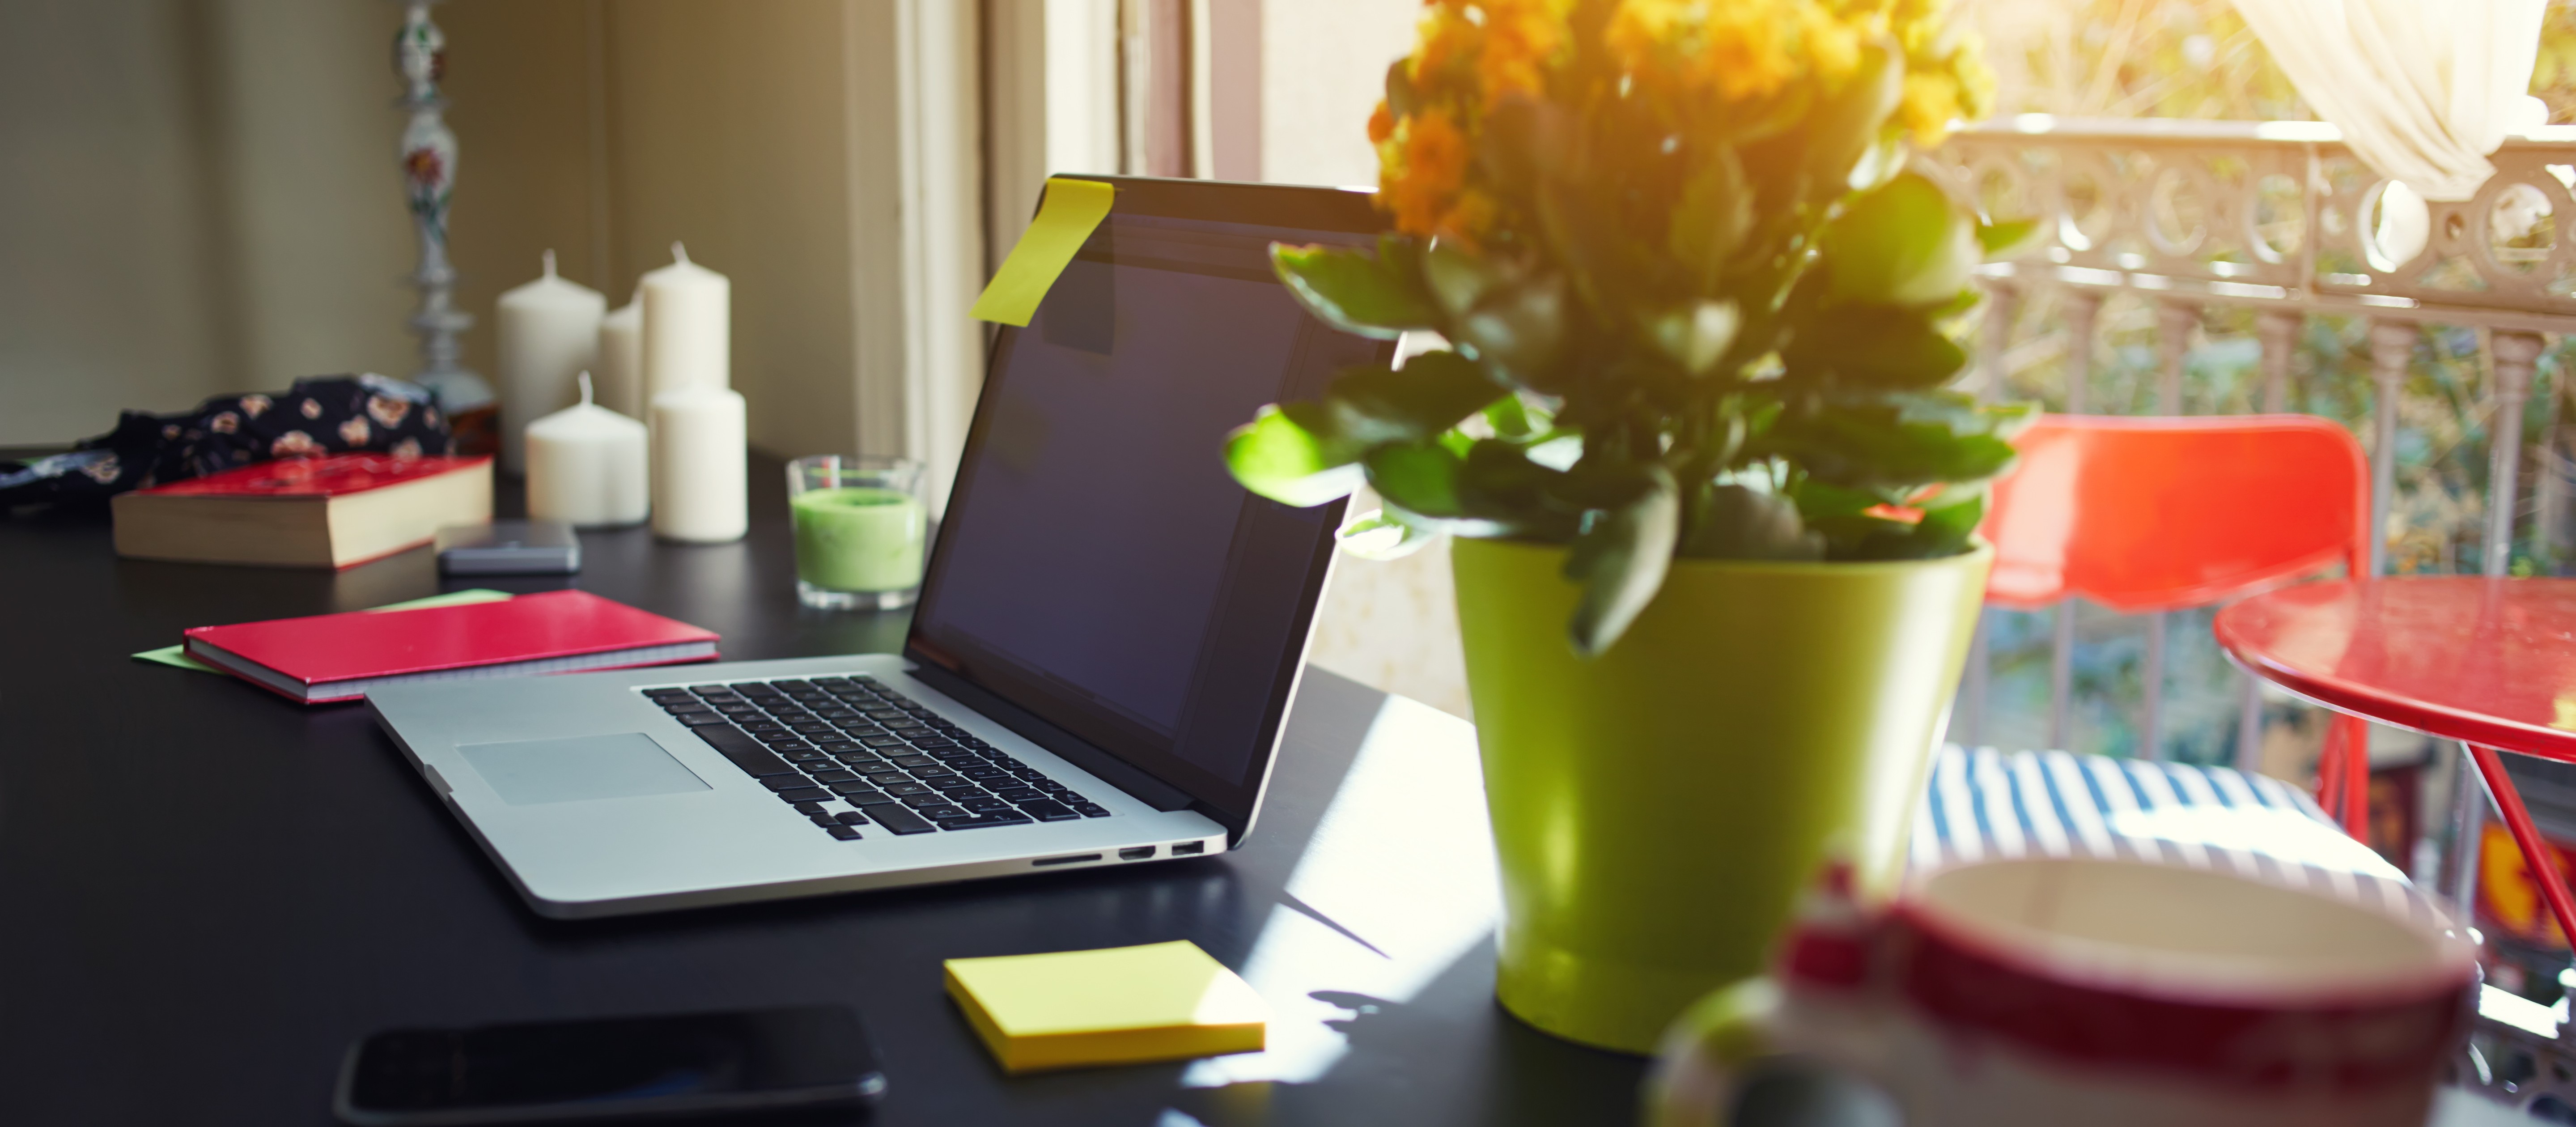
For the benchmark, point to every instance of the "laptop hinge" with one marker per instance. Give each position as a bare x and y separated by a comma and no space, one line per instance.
1071,748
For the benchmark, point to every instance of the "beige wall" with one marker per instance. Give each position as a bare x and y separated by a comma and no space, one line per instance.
525,92
1323,67
199,197
320,241
203,196
607,131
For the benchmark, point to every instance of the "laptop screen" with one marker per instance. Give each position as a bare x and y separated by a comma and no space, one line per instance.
1098,567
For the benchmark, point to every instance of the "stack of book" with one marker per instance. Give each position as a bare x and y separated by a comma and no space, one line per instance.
334,512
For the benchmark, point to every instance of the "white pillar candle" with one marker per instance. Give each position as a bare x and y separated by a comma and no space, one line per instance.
547,331
688,327
586,466
700,492
621,359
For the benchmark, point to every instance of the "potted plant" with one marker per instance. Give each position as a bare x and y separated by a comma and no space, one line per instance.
1718,567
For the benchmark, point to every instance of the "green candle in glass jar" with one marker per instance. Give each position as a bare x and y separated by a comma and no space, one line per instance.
858,538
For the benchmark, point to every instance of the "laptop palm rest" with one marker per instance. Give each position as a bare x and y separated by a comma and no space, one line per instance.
578,769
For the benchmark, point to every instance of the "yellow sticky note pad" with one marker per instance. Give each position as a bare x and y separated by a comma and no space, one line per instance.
1068,215
1161,1001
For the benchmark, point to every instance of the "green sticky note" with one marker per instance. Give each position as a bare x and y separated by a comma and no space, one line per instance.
177,656
1071,211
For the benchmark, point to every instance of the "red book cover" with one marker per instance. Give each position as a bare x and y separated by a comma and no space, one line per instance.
340,656
334,476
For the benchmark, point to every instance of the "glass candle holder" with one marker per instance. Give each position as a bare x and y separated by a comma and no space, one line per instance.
861,531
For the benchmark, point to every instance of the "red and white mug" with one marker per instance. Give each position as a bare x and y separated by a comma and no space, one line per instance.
2062,991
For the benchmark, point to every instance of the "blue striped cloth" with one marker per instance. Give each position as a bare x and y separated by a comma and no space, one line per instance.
1986,803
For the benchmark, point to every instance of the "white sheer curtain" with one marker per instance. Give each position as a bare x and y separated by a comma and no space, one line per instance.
2423,90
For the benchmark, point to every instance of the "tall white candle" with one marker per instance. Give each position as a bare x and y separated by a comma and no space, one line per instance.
700,492
586,466
548,330
688,327
621,359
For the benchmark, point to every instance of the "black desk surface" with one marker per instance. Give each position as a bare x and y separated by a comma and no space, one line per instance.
209,892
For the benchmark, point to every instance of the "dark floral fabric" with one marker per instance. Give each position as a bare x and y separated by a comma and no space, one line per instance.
319,415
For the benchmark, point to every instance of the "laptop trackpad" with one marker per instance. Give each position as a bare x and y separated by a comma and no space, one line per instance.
528,772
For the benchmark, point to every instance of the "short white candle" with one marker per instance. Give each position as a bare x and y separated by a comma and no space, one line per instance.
547,330
621,359
586,466
700,492
688,327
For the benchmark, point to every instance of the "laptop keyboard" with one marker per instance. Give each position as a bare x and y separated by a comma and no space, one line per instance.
849,752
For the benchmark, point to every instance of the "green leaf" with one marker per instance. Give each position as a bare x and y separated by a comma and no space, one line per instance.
1897,441
1950,519
1400,98
2003,240
1737,523
1352,291
1605,263
1602,480
1510,418
1963,415
1879,163
1620,559
1379,535
1875,345
1420,477
1430,394
1500,310
1846,124
1714,214
1905,244
1519,328
1695,336
1456,277
1283,454
1944,530
1503,487
1817,500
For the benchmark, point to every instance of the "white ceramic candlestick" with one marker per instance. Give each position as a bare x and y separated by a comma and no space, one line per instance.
700,492
688,327
586,466
621,359
548,331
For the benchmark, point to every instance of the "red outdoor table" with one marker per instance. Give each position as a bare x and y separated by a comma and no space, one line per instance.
2488,662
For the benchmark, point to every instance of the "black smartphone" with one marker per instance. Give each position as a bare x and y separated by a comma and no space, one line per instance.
731,1063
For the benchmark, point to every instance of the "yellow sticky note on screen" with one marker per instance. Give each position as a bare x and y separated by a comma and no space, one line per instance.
1161,1001
1068,215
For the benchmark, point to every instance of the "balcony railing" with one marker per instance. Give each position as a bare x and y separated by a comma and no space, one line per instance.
2277,222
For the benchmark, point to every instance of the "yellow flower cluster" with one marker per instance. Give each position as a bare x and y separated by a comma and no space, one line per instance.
1740,49
1484,51
1705,57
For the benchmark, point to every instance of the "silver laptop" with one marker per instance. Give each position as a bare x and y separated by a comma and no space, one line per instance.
1099,666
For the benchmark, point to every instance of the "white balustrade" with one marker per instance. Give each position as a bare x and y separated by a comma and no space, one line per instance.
2281,218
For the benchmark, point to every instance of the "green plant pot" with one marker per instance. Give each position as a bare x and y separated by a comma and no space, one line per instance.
1657,810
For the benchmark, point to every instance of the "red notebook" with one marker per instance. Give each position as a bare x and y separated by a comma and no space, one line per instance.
331,657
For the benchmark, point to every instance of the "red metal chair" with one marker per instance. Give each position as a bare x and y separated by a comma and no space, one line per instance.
2154,514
